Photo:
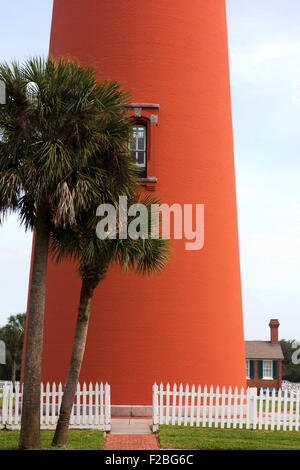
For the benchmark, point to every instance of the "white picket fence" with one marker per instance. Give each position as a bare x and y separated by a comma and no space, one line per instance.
91,408
6,382
225,408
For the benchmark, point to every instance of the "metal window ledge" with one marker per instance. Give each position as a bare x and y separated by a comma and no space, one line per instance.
149,179
142,105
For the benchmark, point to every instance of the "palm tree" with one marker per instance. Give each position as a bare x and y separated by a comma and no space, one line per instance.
13,336
62,149
144,255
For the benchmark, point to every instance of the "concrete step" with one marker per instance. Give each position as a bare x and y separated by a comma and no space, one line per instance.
130,426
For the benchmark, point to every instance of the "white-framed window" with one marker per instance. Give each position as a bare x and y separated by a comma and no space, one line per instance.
138,147
267,369
247,369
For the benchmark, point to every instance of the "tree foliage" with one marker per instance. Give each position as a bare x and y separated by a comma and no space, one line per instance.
290,371
13,335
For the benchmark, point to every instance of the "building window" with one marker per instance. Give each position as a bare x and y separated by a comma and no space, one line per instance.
247,369
138,148
268,369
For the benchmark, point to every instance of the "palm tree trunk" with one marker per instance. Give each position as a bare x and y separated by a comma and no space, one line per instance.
30,423
88,287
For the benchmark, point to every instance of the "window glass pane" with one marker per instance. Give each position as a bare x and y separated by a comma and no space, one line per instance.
133,154
141,143
267,369
141,158
132,144
133,139
141,138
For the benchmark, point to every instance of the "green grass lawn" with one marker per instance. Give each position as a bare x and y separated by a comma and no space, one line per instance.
180,437
77,440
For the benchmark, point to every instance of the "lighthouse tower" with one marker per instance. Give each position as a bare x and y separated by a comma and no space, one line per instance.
184,325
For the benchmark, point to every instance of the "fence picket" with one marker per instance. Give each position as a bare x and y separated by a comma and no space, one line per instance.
53,403
242,396
102,411
217,406
174,399
180,404
297,410
84,394
1,401
235,400
254,411
267,410
96,414
78,404
47,403
248,410
204,405
229,420
161,404
5,404
285,398
155,407
186,405
192,405
198,406
260,412
168,404
211,401
223,407
10,409
291,411
273,402
278,410
107,406
90,405
17,398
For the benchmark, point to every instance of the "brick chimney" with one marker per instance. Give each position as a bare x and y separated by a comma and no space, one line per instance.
274,324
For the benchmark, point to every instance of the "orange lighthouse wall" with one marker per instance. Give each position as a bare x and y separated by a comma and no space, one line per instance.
184,325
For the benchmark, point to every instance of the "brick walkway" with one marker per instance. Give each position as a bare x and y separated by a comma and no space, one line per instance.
131,442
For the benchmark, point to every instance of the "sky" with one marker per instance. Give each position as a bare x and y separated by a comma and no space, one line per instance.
264,54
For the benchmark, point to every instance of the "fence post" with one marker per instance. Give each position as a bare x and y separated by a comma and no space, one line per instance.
155,406
107,408
5,404
252,407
